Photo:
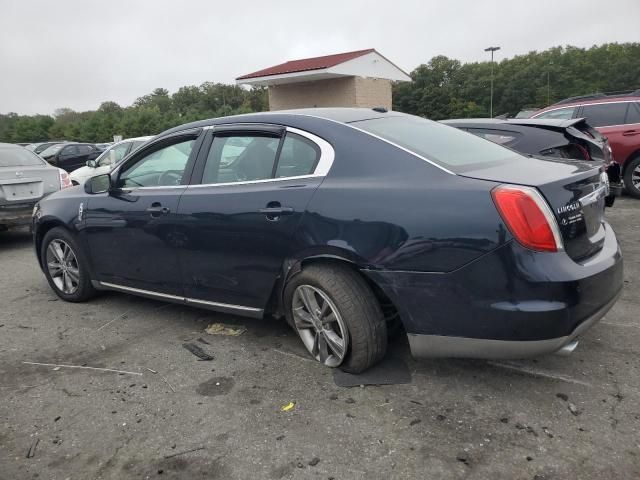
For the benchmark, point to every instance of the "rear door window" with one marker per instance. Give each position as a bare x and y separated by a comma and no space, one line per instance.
559,113
240,158
605,114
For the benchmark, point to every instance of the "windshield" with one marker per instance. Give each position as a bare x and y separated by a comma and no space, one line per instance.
52,150
18,157
449,147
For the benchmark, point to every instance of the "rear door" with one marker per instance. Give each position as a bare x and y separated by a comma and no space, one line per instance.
610,119
66,158
239,216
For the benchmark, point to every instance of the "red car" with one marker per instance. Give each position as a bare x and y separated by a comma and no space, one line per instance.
616,116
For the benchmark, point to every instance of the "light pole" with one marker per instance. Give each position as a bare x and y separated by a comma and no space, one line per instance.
549,83
491,49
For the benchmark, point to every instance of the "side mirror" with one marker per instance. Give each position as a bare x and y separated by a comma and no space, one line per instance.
91,163
98,184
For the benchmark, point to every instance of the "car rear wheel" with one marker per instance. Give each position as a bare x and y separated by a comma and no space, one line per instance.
337,317
632,177
65,266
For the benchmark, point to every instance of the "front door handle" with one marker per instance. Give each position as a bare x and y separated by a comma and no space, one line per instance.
629,133
156,209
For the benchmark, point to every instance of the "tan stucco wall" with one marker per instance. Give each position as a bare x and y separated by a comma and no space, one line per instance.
334,92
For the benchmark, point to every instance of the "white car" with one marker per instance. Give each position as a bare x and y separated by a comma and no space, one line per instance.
107,159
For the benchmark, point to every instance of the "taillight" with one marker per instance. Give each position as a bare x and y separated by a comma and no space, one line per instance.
65,180
528,217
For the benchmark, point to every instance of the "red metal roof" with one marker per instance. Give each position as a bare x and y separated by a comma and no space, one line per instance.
305,64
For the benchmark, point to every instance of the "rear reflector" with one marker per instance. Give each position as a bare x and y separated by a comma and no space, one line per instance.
528,217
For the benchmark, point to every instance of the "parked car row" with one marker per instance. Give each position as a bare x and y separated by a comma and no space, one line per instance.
344,221
617,117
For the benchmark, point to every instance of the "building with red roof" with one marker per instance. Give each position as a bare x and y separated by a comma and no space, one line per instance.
353,79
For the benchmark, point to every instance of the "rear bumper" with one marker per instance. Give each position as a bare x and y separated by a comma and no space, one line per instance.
509,303
16,215
433,346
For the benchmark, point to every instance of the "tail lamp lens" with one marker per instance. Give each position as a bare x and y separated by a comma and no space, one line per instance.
528,217
65,180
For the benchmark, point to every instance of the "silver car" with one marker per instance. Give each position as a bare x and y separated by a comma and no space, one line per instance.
25,178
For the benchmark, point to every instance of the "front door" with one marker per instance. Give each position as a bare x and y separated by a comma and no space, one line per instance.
130,230
237,225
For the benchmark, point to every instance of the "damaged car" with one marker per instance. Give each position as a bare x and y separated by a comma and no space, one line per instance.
345,221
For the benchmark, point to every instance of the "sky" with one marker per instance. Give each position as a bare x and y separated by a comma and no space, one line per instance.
79,53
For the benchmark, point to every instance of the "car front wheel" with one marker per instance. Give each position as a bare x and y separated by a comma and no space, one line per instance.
337,317
65,266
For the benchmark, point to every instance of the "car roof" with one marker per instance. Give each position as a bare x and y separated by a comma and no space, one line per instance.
338,114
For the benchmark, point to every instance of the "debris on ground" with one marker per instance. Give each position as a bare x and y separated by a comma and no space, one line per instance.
32,448
573,409
152,371
562,396
197,351
289,406
463,457
224,329
58,367
314,461
415,421
202,340
183,452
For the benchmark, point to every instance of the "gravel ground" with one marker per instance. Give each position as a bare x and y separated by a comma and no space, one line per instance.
549,418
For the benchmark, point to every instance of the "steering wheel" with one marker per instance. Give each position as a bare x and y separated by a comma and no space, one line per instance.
170,177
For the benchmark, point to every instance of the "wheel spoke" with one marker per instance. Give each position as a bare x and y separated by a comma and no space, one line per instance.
56,251
309,300
322,347
302,318
54,268
325,309
329,318
335,343
74,274
68,285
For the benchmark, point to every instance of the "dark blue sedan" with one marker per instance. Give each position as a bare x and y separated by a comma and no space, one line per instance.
345,221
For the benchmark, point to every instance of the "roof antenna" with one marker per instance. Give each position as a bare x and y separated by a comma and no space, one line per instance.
379,109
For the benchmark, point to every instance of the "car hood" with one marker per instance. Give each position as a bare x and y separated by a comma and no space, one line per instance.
82,172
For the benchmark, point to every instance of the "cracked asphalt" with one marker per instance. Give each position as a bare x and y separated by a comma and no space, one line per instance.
166,414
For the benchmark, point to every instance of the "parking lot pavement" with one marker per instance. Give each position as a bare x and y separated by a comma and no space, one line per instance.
550,418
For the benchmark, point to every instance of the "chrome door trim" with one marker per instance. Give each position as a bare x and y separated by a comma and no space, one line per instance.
140,291
223,305
227,306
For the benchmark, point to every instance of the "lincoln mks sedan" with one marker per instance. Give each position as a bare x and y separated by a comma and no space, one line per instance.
348,223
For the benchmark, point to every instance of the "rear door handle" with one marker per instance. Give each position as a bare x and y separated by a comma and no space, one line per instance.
273,211
156,209
629,133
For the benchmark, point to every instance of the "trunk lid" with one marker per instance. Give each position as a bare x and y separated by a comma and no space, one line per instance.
27,184
574,190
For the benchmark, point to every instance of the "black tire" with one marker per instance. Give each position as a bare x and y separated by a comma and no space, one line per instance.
357,306
84,289
629,187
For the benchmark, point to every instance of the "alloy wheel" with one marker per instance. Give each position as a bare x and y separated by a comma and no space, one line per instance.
62,265
320,326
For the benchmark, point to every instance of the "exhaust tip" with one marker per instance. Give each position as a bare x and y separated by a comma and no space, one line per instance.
568,348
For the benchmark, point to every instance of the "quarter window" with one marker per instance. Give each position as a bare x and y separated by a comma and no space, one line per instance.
605,114
559,113
298,156
633,115
162,167
240,158
501,137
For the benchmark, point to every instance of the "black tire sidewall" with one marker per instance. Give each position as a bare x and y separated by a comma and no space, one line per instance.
85,289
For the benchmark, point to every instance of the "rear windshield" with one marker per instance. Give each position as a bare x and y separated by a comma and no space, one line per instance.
18,157
447,146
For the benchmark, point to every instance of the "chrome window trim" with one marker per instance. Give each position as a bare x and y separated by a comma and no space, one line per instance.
178,298
327,156
411,152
